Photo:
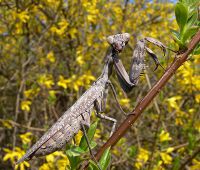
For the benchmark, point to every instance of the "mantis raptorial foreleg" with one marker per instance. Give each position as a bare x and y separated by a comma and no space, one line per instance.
127,82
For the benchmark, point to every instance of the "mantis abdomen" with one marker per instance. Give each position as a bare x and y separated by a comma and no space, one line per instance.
61,137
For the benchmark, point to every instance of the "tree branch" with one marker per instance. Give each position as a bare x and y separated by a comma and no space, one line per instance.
128,122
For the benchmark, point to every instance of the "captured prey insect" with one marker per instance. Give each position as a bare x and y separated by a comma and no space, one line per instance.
127,82
78,115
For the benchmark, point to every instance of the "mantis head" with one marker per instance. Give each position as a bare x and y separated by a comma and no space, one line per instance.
118,41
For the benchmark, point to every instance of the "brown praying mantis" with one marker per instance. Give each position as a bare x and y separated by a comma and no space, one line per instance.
77,117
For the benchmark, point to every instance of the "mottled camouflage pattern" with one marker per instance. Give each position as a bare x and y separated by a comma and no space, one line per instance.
137,62
70,122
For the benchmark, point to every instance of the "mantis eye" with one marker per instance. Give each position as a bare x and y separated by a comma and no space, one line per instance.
110,39
126,37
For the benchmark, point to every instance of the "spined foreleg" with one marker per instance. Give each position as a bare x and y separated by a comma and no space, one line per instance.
127,82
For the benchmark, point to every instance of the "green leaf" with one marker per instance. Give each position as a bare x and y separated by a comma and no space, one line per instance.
75,151
189,33
181,13
93,144
176,163
74,161
132,151
92,165
90,134
193,18
191,139
176,37
189,2
197,50
105,159
176,34
73,154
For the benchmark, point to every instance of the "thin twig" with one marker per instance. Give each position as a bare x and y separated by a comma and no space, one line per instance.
17,109
13,123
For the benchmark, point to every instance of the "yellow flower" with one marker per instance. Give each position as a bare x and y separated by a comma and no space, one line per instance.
79,55
60,30
167,159
51,57
62,163
173,102
22,166
30,93
63,24
55,160
170,149
181,150
164,136
2,29
14,155
158,166
92,18
23,16
6,123
178,121
196,165
73,32
26,137
50,158
46,80
78,137
142,158
49,83
86,78
25,105
52,93
80,60
90,40
97,134
118,11
197,125
125,102
197,98
46,166
63,82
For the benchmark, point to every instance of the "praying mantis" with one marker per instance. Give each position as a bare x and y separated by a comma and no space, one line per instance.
77,117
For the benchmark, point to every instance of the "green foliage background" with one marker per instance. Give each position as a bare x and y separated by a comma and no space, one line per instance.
50,53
